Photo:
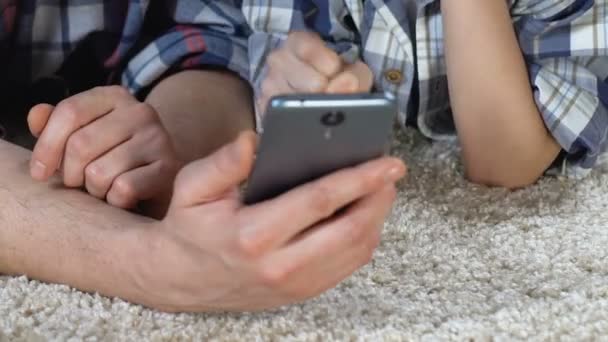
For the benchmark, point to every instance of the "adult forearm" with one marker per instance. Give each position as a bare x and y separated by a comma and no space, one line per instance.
503,136
63,236
203,110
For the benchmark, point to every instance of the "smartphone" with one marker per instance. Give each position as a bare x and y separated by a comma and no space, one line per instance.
308,136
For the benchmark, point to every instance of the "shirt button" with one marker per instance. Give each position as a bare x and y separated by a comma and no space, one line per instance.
437,87
394,76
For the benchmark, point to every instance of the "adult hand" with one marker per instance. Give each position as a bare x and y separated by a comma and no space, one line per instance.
106,141
211,253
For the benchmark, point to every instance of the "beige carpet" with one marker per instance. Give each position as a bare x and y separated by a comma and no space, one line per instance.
457,262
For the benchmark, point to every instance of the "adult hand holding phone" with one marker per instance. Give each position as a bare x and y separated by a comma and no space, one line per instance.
211,253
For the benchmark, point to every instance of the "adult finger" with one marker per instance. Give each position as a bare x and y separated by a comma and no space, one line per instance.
104,134
355,78
68,117
38,117
273,223
333,250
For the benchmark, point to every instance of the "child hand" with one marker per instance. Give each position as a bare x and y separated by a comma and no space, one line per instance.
106,141
306,65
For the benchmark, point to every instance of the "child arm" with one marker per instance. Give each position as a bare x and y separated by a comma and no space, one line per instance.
504,139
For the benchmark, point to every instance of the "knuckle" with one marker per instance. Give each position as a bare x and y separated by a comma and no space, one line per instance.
124,189
94,171
274,277
321,200
368,181
304,44
156,139
250,247
145,111
67,111
306,50
96,175
78,145
115,91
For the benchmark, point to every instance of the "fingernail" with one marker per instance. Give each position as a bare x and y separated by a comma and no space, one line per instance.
394,174
38,170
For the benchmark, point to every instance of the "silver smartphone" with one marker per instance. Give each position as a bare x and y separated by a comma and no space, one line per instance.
308,136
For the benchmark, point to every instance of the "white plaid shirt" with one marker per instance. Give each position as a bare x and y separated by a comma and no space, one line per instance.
565,44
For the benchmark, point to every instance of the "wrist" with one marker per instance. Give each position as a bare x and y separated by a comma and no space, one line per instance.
135,258
148,282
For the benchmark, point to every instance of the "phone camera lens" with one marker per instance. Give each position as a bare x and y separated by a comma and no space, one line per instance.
333,118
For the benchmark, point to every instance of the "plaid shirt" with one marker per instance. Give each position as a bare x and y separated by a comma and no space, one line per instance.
565,44
36,37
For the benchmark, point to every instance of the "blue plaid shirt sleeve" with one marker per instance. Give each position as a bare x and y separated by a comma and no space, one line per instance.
206,33
565,45
271,23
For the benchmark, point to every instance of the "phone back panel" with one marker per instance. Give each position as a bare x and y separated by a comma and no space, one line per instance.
306,137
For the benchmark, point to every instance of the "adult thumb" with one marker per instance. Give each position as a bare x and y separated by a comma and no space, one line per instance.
210,179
